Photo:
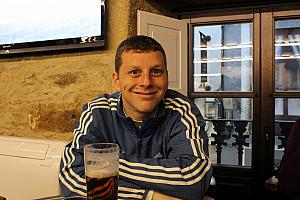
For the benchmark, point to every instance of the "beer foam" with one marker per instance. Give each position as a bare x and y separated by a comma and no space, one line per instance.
103,173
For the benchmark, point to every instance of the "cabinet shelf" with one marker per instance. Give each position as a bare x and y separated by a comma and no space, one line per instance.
241,46
287,44
287,57
211,74
222,60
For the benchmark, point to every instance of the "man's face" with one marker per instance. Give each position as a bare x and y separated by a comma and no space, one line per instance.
143,81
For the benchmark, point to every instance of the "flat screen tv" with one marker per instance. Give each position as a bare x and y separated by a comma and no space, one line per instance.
47,25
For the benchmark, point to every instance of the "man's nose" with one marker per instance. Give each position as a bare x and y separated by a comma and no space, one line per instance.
146,79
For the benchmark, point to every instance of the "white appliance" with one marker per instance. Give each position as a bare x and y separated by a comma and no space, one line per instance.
29,167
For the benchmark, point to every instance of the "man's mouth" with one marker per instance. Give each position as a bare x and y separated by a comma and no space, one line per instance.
145,93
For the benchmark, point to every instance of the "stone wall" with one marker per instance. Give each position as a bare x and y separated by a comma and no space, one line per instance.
41,96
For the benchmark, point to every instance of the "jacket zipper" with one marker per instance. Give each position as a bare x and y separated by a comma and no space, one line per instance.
139,146
140,140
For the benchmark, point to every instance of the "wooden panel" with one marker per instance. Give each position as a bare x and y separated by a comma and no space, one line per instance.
287,11
223,16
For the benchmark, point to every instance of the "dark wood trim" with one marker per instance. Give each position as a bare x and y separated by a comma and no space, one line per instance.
191,58
256,145
285,11
222,16
286,94
267,85
283,5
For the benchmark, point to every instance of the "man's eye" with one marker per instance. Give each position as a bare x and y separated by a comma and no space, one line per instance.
157,71
134,72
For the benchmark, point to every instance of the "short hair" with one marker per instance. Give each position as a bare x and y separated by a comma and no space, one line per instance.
138,44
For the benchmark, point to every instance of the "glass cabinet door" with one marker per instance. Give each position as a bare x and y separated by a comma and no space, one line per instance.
287,55
223,62
287,82
223,57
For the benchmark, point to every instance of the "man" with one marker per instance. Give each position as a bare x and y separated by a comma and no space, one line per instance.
159,131
288,172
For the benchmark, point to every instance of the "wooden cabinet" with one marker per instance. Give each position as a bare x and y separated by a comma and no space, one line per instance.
244,76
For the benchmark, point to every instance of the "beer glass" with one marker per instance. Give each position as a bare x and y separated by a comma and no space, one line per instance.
102,171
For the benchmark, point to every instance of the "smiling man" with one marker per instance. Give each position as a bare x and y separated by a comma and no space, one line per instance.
142,79
161,135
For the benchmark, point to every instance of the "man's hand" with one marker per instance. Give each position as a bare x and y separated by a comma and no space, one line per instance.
159,196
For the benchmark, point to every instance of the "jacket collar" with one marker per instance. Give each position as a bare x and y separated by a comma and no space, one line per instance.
159,114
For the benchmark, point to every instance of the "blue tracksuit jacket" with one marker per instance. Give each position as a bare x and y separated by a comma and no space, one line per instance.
168,154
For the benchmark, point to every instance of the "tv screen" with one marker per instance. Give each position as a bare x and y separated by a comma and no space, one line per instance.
45,25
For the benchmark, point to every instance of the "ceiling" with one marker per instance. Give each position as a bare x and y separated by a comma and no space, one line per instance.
189,5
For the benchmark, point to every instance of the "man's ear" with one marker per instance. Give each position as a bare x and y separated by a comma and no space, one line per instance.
116,81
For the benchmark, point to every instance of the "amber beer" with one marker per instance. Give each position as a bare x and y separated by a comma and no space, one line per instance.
102,188
102,171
